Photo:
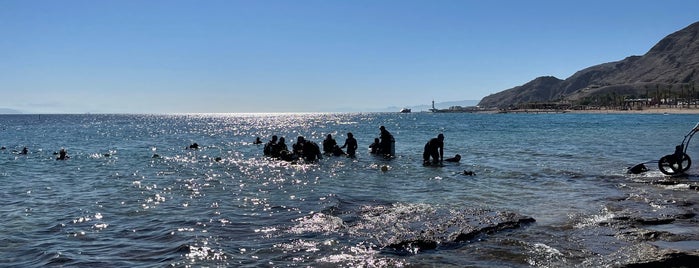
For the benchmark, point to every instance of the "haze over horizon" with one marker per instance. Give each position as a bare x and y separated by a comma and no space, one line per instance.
306,56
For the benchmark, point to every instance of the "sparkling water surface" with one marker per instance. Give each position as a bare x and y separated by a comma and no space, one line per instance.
114,204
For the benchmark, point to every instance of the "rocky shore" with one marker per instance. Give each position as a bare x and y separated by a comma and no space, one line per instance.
650,227
639,111
596,111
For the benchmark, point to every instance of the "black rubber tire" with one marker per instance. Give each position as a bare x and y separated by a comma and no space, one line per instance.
686,162
668,167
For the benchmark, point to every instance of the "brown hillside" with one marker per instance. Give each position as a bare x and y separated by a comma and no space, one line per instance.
671,63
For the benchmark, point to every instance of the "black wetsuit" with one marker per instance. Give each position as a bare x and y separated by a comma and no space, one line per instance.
432,149
278,148
269,147
386,139
351,144
329,146
311,151
375,147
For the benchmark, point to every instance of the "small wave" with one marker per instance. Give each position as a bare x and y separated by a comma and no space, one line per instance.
543,255
593,220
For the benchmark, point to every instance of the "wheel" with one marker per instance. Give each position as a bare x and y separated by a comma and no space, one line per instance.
686,162
669,166
666,165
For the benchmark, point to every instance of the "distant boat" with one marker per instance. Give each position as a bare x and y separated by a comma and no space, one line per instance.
405,110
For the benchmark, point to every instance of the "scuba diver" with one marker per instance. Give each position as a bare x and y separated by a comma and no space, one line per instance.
329,145
434,149
386,141
308,150
351,144
270,146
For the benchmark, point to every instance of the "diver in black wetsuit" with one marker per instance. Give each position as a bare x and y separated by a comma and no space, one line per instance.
270,146
310,151
386,140
257,141
62,155
278,148
329,145
350,144
435,149
375,147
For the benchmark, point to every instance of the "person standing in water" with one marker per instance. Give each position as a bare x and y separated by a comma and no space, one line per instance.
329,144
351,144
386,141
434,149
270,146
376,146
279,148
308,150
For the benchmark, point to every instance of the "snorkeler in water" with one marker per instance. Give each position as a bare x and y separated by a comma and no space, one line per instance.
63,155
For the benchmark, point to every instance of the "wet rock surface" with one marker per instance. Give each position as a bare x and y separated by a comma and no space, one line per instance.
421,227
648,224
655,225
410,228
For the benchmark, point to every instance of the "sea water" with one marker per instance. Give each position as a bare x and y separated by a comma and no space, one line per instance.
133,195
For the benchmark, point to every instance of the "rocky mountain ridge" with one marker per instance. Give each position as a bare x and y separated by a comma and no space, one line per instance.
670,65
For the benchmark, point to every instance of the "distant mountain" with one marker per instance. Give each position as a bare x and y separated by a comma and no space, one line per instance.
672,64
9,111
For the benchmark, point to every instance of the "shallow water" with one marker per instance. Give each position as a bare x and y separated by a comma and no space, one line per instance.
113,204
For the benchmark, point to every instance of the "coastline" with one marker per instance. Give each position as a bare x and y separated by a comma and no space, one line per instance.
639,111
598,111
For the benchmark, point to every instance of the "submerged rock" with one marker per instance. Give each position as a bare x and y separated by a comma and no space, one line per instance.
672,259
645,255
410,228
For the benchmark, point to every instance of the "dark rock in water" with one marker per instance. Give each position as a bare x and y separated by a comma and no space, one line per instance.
184,249
655,221
684,216
637,234
645,255
665,182
621,218
637,169
409,228
651,229
674,259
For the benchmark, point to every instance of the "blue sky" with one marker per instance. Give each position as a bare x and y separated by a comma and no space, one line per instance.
306,56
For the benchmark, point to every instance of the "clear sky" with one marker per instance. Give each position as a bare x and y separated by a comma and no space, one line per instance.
145,56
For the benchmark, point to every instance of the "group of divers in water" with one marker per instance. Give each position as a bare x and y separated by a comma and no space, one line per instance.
62,154
433,154
309,151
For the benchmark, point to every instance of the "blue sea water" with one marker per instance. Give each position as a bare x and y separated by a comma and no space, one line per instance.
113,204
